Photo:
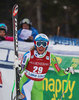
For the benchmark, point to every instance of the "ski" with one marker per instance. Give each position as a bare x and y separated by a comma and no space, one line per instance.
15,25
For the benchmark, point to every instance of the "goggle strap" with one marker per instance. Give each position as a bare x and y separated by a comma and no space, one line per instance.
35,42
48,43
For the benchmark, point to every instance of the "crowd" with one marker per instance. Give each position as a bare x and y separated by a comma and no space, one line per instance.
26,32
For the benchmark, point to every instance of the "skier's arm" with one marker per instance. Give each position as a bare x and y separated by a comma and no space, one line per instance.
24,62
56,67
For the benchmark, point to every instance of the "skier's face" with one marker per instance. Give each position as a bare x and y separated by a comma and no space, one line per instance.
41,49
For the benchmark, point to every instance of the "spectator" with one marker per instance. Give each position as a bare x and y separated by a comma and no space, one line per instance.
3,31
27,32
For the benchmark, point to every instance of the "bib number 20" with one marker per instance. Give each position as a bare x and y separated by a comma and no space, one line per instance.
37,69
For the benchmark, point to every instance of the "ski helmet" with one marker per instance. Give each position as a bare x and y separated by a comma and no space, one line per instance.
41,39
3,27
26,20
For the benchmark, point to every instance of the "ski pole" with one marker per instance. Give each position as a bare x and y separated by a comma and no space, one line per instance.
13,87
12,91
73,66
66,85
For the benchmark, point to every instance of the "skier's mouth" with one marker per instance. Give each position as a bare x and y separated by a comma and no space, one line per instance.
40,50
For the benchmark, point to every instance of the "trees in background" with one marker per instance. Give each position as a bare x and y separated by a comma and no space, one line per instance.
48,16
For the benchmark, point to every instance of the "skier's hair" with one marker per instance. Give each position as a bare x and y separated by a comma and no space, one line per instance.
33,48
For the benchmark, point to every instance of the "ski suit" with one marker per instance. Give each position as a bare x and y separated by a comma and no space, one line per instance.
34,69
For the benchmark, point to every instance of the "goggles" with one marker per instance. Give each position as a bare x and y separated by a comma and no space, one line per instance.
41,43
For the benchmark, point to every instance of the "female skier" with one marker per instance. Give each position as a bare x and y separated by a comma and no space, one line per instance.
35,65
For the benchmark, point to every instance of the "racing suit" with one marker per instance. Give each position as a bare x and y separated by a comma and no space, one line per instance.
34,68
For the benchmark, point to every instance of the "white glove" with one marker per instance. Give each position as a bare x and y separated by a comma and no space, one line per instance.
70,70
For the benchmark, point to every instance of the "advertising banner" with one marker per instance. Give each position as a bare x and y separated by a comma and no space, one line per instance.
53,85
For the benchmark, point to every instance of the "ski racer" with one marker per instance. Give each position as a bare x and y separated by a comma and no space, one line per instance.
35,65
26,28
3,31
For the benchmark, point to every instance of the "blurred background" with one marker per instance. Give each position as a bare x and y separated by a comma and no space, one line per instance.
52,17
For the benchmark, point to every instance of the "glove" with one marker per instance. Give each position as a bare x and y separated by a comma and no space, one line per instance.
70,70
19,70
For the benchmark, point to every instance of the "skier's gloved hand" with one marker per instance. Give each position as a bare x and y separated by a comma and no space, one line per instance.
69,70
20,68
